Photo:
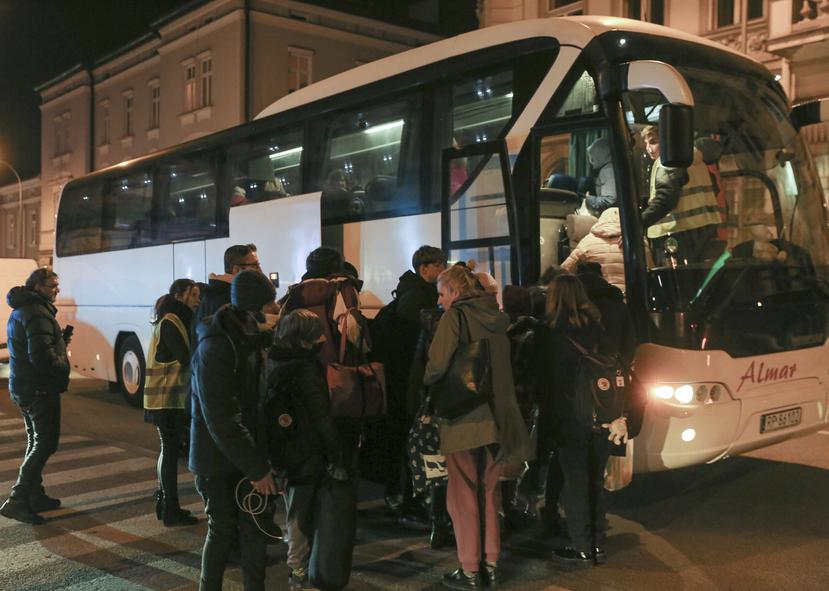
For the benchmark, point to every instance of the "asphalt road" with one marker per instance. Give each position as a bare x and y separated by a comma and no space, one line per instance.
748,523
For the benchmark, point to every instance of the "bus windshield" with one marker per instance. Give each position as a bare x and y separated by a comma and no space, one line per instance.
736,244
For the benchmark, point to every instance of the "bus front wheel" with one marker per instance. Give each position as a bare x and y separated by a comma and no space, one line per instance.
131,368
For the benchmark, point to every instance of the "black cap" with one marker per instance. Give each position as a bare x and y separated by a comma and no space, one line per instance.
251,290
322,262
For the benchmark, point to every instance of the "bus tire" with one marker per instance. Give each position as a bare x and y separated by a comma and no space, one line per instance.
130,370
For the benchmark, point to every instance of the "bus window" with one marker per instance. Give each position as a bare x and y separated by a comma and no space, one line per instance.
364,169
79,219
127,212
266,167
481,107
582,99
188,206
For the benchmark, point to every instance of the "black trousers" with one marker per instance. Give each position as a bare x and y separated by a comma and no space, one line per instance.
582,467
167,467
226,524
42,418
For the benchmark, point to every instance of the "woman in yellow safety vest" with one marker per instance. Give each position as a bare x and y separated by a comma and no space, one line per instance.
166,385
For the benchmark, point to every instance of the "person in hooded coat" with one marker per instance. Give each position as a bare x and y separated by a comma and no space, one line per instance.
603,246
484,443
228,451
598,153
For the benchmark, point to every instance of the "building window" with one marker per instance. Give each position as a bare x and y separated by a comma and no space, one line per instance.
32,227
652,11
11,232
189,86
565,7
725,13
66,120
104,106
129,114
58,128
803,9
755,9
300,68
206,83
155,104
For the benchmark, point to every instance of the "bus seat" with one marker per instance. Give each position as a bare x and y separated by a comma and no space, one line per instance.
380,191
578,226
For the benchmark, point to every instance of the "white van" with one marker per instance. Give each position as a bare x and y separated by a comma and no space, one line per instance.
12,272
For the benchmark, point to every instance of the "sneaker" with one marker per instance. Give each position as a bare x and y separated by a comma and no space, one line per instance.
43,502
459,579
599,555
572,557
491,575
19,510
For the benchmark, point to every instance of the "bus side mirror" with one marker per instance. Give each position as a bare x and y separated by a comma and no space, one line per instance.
676,135
810,113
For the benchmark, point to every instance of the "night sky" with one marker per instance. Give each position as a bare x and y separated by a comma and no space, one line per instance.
40,39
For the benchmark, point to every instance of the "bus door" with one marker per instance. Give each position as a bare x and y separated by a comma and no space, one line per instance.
477,209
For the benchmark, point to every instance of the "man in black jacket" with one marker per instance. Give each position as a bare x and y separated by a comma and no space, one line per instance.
237,258
416,291
39,372
228,450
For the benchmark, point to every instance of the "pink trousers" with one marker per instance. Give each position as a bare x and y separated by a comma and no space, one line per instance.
473,498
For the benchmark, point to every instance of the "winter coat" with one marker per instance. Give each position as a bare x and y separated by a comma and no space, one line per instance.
598,153
213,297
38,363
297,401
227,433
480,426
602,245
414,294
558,362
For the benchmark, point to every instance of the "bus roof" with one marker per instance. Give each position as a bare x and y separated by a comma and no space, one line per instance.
575,31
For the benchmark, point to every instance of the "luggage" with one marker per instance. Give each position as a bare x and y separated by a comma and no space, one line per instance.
335,529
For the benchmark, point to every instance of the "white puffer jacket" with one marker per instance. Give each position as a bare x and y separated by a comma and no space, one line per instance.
602,245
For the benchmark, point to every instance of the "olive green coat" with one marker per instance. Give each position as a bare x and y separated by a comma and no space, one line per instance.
479,427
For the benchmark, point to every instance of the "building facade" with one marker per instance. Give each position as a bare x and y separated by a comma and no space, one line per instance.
20,201
197,71
790,37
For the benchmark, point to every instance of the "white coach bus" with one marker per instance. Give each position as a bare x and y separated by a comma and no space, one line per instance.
479,143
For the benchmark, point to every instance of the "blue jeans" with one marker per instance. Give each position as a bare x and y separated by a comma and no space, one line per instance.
42,418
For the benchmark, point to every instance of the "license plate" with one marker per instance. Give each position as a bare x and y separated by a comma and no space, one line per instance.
780,420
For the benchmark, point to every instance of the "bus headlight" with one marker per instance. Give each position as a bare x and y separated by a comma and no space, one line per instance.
684,394
689,394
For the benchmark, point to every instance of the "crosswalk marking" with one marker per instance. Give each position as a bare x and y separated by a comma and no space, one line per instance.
72,454
95,471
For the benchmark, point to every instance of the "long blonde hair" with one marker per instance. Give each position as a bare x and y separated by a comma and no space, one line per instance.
567,301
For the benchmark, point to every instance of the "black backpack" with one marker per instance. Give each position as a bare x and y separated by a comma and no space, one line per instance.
599,388
384,330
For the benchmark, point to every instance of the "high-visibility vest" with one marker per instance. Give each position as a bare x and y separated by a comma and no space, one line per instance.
697,205
167,382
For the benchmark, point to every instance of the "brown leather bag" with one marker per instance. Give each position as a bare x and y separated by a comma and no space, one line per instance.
356,391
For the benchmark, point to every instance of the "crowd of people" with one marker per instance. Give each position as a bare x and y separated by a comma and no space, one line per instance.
251,380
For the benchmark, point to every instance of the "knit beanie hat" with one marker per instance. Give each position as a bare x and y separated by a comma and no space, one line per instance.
250,290
323,261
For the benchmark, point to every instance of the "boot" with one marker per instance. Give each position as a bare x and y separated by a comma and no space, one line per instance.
171,513
441,534
20,510
41,502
